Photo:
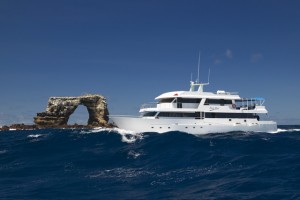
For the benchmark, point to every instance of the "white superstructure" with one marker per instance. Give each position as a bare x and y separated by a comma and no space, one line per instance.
198,112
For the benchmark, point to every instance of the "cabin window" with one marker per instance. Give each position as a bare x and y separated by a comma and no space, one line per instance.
149,114
221,102
188,114
176,114
230,115
199,115
179,100
184,100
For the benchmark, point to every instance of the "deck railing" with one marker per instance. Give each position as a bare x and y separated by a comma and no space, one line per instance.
249,104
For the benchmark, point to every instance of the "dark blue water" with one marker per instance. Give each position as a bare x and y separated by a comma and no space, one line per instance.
76,164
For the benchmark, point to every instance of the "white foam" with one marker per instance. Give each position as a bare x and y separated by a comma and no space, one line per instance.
279,130
34,136
127,136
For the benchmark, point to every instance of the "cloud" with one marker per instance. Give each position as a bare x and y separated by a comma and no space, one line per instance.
228,54
220,58
256,57
217,61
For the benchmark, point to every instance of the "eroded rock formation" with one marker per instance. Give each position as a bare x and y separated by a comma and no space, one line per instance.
59,110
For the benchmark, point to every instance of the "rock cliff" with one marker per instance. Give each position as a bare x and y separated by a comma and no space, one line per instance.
59,110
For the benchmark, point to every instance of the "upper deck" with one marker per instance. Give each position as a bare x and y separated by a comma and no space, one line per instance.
197,100
196,91
208,95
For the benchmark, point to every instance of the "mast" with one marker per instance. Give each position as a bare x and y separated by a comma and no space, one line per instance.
199,58
200,85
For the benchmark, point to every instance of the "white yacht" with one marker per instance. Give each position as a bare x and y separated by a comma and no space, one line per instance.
199,112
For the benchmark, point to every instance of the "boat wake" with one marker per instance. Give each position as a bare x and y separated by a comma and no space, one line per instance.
279,130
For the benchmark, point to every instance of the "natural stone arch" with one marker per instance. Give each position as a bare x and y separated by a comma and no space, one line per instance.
59,110
79,117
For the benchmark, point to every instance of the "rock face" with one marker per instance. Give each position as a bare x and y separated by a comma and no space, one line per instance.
59,110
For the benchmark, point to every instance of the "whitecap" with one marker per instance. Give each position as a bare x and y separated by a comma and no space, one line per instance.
34,136
127,136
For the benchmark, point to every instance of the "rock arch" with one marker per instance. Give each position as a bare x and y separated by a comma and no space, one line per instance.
59,110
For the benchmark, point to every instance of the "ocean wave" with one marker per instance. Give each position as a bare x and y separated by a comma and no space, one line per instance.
131,137
97,164
120,173
3,151
127,136
134,154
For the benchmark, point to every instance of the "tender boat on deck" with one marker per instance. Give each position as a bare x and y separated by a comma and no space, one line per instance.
199,112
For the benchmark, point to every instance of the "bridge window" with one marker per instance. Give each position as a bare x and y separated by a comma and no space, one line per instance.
186,100
166,100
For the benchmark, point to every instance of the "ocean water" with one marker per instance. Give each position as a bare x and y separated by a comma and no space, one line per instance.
115,164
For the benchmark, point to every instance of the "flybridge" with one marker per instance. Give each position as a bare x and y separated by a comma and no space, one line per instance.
198,87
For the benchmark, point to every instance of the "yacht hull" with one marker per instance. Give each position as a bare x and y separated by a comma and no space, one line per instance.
193,126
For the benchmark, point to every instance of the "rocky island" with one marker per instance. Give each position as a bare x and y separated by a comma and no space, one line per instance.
59,110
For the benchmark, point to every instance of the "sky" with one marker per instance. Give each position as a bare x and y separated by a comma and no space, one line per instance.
131,51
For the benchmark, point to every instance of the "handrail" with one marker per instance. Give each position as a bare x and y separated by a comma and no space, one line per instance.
256,101
248,103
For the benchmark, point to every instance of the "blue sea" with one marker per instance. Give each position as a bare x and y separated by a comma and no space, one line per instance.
115,164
